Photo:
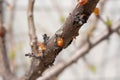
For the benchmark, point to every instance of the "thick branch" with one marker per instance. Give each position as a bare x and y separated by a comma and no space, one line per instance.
68,31
56,70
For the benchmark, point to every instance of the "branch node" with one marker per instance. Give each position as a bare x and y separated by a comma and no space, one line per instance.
34,56
46,38
2,31
109,29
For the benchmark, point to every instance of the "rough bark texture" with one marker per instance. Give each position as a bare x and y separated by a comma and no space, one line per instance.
68,32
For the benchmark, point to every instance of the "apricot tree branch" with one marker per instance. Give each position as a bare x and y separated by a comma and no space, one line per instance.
56,70
67,32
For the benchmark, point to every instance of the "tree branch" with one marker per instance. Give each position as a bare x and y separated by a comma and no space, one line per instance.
5,71
68,32
32,31
32,35
56,70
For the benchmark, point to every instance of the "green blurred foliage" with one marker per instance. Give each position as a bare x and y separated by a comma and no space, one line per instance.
109,22
62,19
15,49
92,68
12,54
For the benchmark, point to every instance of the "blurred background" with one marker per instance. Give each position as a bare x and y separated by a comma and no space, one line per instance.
102,62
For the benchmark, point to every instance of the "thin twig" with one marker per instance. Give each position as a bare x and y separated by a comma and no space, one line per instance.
32,36
97,19
102,8
31,24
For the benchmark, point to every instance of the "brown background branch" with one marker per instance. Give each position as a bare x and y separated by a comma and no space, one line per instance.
5,70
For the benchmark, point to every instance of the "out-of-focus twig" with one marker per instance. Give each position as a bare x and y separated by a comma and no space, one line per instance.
56,70
96,19
5,71
102,8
